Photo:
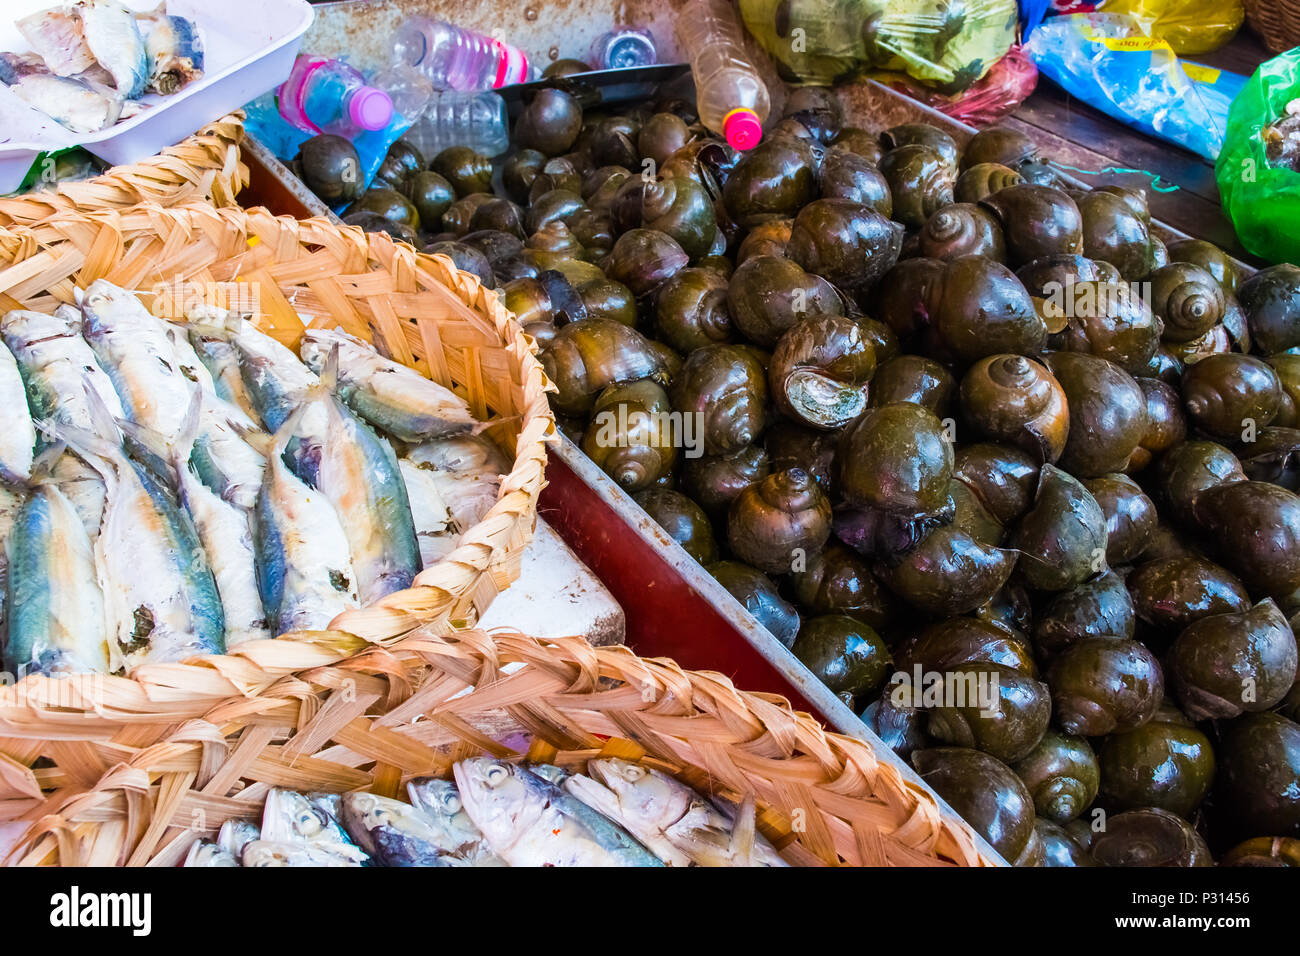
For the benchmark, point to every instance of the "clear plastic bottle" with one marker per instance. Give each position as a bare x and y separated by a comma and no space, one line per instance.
459,118
454,58
730,95
329,96
409,89
624,49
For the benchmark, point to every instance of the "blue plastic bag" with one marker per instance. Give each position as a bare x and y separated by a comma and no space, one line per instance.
1107,61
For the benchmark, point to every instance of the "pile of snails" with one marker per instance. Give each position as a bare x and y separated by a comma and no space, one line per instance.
949,415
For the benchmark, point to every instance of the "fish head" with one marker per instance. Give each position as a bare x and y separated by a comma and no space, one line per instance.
395,831
498,796
204,853
644,794
291,816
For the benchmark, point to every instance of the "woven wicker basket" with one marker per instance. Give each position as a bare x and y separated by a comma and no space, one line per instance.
135,770
1276,21
206,166
418,309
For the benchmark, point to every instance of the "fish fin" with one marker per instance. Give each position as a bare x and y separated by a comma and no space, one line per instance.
43,465
98,452
102,420
329,373
744,831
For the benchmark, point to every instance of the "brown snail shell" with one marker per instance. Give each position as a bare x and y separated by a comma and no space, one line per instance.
998,144
1187,299
1190,468
714,481
1108,413
907,295
949,572
1131,516
920,181
767,238
724,388
963,229
1104,685
1114,232
1166,423
1230,396
1256,526
846,175
794,446
778,520
1008,727
767,295
983,179
983,309
838,581
1037,221
913,378
592,354
1062,774
1150,836
1101,607
1012,399
1227,664
1062,539
898,458
630,437
820,370
1209,257
1004,478
1169,593
691,310
957,641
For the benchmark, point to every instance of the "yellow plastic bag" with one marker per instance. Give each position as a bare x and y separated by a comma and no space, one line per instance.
1189,26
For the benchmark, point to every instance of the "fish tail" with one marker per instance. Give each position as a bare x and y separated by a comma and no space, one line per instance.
329,374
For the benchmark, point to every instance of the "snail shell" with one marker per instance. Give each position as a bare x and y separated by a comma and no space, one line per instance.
630,437
984,179
771,520
963,229
1188,299
1016,400
819,371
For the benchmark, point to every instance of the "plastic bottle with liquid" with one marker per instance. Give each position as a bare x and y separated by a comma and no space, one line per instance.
454,58
731,97
460,118
329,96
624,49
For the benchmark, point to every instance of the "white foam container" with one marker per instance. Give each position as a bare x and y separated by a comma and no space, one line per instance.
249,47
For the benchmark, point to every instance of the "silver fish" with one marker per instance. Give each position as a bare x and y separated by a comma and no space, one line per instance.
135,349
275,853
275,380
84,488
460,841
56,606
358,472
114,38
235,835
223,529
676,823
18,437
387,394
159,592
73,104
291,817
174,50
304,565
392,832
466,471
205,853
222,362
528,821
435,531
10,504
57,366
58,39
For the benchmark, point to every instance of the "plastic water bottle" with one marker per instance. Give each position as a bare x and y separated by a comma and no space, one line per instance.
329,96
624,49
458,118
730,95
262,119
454,58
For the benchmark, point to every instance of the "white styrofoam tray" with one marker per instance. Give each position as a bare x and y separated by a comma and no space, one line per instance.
249,47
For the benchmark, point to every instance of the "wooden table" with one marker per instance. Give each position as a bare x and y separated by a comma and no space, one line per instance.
1075,133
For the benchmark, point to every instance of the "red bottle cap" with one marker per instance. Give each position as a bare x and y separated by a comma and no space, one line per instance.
742,128
370,108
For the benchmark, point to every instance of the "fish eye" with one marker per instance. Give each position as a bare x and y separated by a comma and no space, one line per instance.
310,822
451,803
634,773
496,774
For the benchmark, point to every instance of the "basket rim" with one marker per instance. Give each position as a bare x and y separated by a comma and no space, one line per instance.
206,164
739,735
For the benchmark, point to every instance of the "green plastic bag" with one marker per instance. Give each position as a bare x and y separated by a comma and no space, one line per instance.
1263,201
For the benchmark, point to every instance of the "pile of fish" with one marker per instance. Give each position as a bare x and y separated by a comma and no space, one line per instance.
497,813
171,490
92,61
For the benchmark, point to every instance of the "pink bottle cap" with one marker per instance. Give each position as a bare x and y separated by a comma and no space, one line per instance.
370,108
742,128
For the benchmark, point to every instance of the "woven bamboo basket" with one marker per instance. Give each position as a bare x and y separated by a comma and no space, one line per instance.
135,770
417,309
205,166
1276,21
